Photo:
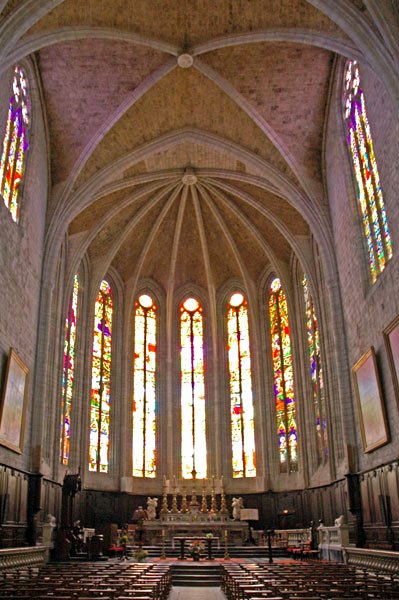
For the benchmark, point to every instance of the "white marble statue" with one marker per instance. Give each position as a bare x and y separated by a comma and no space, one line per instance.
51,520
237,504
152,504
339,521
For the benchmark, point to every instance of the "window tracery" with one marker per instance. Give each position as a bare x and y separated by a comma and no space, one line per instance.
316,373
68,375
15,143
144,387
101,381
193,405
368,186
287,434
240,383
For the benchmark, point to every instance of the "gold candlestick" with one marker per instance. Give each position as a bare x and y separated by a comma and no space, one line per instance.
174,497
214,507
164,508
163,555
223,505
204,508
184,508
226,548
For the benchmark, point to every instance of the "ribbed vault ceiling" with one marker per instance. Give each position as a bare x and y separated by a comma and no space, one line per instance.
185,175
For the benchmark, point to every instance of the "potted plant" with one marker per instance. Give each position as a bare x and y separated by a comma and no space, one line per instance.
196,549
123,542
139,554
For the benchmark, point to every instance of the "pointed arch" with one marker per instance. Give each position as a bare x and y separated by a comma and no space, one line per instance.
68,372
316,373
283,374
144,387
240,386
193,403
15,143
101,381
367,180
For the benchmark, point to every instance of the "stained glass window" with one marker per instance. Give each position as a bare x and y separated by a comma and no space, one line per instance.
144,391
68,374
316,372
283,379
193,421
15,143
101,379
368,187
240,381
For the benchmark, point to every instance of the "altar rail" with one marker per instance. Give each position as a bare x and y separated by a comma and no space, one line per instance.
11,558
332,541
292,538
376,560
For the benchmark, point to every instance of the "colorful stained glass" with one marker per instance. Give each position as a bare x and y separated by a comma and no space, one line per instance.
101,380
15,143
283,379
68,374
316,372
240,383
368,187
144,388
193,418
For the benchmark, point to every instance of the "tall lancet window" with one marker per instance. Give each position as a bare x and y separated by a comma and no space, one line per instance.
68,374
368,187
316,373
193,420
144,390
15,143
101,381
240,378
283,379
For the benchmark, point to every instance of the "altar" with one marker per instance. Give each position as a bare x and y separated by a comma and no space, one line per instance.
186,517
156,531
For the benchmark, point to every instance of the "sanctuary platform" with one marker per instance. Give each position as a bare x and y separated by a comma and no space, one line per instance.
155,531
182,515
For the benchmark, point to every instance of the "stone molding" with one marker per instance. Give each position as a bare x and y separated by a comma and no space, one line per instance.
13,558
380,560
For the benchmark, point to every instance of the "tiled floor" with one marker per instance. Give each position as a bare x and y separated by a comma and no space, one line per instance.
196,593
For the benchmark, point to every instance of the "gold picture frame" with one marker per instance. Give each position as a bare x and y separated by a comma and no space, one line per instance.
372,417
14,403
391,339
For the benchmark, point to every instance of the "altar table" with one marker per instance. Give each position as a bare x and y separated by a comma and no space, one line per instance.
208,540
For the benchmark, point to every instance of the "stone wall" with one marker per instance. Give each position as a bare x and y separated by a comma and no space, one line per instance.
21,251
368,309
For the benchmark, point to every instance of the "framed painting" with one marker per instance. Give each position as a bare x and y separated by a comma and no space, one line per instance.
372,418
13,404
391,338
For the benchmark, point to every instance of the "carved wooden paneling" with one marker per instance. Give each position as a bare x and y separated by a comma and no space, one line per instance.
51,500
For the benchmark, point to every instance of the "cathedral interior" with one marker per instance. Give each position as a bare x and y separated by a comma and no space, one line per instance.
199,260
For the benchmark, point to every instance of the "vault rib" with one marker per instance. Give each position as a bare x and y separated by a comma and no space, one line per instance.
154,232
269,252
129,200
134,222
247,198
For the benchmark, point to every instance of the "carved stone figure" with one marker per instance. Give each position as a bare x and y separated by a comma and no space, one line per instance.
237,504
152,504
339,521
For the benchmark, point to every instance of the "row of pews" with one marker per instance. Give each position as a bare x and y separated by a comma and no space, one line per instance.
306,581
88,581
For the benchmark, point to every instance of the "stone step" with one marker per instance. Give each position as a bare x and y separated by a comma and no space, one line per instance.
193,575
234,551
